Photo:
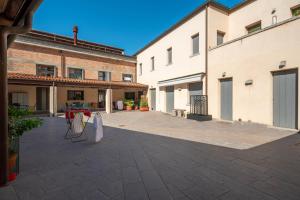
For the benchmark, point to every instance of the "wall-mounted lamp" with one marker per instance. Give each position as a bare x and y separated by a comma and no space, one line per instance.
282,64
224,74
179,89
249,82
273,11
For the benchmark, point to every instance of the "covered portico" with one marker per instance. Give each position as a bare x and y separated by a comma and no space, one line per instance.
59,92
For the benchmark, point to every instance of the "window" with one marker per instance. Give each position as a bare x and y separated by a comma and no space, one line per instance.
75,95
170,56
195,89
127,77
45,70
195,43
129,95
152,64
140,94
220,37
18,99
254,27
104,76
296,11
141,69
76,73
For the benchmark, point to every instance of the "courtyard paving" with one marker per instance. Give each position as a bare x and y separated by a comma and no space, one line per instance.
157,157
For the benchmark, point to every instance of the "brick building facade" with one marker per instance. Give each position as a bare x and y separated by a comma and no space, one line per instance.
47,72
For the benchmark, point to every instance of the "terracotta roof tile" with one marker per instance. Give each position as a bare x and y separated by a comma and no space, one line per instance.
30,77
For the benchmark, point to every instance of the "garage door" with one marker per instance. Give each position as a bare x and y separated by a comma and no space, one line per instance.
153,99
226,99
285,99
170,99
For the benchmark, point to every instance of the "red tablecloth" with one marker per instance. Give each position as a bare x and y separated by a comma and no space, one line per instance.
71,113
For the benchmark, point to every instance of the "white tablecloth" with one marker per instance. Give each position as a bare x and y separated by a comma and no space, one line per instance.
97,134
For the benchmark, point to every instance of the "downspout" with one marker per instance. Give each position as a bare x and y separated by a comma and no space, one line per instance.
4,143
206,53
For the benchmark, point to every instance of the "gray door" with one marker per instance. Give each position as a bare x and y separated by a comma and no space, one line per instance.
170,99
153,99
226,99
285,99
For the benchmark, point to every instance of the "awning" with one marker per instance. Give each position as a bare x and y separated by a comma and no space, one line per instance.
184,79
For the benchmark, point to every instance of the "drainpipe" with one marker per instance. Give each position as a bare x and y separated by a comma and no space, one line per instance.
206,52
4,144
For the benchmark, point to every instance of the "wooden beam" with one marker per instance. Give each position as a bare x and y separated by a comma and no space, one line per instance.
3,109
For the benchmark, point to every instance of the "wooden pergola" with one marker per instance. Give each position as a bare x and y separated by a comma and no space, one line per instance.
15,18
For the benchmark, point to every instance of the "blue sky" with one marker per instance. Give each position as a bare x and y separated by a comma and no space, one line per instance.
128,24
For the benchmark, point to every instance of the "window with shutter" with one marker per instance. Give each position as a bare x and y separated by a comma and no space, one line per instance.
296,11
195,43
169,56
152,64
220,37
254,27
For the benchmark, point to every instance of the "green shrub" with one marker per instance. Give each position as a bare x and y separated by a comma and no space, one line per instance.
144,102
129,102
19,122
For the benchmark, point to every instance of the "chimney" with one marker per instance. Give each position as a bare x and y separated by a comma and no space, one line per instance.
75,31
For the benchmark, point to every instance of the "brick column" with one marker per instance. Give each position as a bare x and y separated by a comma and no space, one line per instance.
53,101
108,99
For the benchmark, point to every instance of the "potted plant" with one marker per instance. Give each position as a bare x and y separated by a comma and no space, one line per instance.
129,104
18,123
144,104
136,107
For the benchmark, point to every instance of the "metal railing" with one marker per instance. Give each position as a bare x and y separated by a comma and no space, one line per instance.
199,104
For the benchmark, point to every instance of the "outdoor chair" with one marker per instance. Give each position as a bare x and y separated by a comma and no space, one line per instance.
76,125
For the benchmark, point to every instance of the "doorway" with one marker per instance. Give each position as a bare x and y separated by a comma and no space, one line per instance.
226,99
169,99
153,99
42,99
102,99
285,99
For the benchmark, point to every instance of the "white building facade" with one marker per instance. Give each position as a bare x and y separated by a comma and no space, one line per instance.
248,62
173,63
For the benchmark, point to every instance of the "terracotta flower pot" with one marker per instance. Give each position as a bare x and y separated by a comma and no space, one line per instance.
128,108
11,166
144,109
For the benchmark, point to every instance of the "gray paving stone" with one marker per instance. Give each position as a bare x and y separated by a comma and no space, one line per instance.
8,193
129,165
161,194
130,175
135,191
152,181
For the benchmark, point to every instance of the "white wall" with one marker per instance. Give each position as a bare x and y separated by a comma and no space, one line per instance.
253,58
259,10
218,21
183,62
